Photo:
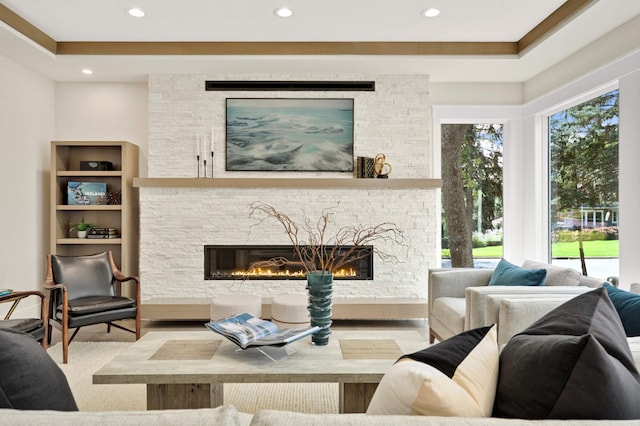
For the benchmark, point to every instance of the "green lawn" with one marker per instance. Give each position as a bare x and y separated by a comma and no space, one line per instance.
607,248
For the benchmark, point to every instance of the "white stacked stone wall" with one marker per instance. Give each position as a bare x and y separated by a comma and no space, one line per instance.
176,223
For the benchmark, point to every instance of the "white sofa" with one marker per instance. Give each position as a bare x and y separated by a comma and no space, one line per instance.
517,313
512,317
228,416
457,297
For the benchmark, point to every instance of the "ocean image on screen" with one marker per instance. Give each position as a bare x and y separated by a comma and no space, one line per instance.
290,134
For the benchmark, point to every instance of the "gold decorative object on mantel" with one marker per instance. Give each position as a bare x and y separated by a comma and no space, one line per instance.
381,168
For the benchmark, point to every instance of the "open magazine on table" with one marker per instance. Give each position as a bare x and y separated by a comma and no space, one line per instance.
246,331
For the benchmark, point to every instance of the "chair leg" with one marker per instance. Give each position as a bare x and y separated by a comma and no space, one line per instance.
431,337
65,343
108,327
49,331
138,324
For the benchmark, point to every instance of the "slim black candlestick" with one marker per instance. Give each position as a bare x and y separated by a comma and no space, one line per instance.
198,161
211,163
205,167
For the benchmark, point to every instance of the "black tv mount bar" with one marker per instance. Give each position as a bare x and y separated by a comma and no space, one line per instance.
320,86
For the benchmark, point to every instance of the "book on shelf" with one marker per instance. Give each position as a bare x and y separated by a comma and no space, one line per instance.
246,331
102,236
365,167
102,231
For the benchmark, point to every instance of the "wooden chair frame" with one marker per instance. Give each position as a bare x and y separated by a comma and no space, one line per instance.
63,325
16,297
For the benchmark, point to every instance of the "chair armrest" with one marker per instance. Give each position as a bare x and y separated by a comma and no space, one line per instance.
55,287
17,296
120,277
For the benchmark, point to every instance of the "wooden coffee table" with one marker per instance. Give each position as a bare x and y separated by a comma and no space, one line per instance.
187,369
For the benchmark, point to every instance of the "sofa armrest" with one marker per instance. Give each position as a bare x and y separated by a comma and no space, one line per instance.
590,282
493,302
476,298
516,314
453,282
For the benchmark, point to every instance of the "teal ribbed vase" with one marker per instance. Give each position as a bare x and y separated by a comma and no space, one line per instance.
319,286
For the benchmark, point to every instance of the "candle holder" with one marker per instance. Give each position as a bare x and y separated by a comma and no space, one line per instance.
211,163
205,167
198,162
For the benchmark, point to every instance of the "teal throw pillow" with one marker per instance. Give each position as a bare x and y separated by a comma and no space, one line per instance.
628,306
506,273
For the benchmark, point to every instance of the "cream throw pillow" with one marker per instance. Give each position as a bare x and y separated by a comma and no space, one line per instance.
456,377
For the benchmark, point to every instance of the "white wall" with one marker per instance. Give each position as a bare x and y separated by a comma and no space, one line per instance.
595,57
26,127
104,112
629,178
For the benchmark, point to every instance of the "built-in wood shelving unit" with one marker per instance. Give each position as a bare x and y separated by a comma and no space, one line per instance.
65,167
293,183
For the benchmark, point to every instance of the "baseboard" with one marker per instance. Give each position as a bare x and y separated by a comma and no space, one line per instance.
192,309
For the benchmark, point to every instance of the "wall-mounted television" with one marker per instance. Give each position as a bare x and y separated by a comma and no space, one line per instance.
285,134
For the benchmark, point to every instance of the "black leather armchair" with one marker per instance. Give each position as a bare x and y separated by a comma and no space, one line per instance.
84,291
35,327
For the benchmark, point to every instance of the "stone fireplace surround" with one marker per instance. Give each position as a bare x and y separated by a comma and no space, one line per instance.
180,214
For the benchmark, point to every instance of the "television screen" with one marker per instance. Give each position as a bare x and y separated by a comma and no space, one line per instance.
289,134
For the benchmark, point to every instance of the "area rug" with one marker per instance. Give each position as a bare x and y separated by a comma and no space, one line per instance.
85,358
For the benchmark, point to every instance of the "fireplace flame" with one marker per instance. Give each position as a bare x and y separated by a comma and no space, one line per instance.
269,273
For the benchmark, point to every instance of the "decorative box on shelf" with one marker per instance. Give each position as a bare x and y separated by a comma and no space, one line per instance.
96,165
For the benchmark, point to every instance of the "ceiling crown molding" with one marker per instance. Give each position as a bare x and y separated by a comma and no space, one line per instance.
555,21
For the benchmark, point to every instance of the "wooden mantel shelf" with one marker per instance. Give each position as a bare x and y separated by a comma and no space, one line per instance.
293,183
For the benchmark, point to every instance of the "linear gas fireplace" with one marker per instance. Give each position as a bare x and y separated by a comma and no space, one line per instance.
227,262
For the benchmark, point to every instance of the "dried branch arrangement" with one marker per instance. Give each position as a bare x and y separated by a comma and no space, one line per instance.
319,251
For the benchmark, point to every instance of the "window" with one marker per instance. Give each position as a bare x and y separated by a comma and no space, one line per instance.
583,186
472,194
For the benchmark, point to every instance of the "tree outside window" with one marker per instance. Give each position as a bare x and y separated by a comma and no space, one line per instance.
583,177
471,193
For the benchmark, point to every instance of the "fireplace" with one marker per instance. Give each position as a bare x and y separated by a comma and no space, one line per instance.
229,262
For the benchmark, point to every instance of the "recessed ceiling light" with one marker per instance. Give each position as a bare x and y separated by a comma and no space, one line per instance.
87,71
138,13
431,12
283,12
